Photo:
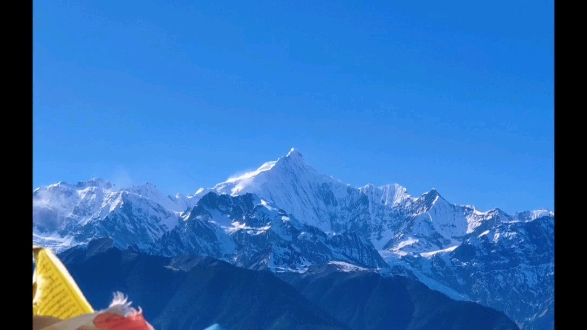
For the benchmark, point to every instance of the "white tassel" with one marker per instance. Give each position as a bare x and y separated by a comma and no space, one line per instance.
121,306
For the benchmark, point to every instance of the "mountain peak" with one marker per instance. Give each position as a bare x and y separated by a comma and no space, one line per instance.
294,153
432,194
431,197
293,159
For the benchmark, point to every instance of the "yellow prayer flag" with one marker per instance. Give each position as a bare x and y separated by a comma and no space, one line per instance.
55,293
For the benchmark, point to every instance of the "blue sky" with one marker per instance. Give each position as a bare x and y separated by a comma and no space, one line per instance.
455,95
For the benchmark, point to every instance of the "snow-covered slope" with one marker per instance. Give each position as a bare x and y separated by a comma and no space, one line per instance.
319,200
293,185
417,232
248,232
393,220
508,266
286,215
65,215
244,230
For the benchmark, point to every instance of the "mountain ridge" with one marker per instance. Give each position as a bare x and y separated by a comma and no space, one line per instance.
433,238
192,292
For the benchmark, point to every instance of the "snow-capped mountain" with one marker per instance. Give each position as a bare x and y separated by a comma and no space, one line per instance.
426,233
66,215
315,199
391,218
506,263
246,231
286,215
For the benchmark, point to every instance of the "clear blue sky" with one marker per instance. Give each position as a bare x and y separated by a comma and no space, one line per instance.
455,95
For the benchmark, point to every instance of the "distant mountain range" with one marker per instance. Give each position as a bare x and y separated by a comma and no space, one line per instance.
288,219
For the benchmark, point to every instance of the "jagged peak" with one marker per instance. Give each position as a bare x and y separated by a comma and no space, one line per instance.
387,187
390,193
394,186
368,186
94,182
294,153
293,157
432,194
498,210
432,198
293,160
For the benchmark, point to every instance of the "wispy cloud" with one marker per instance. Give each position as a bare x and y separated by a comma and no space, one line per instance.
240,174
122,178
